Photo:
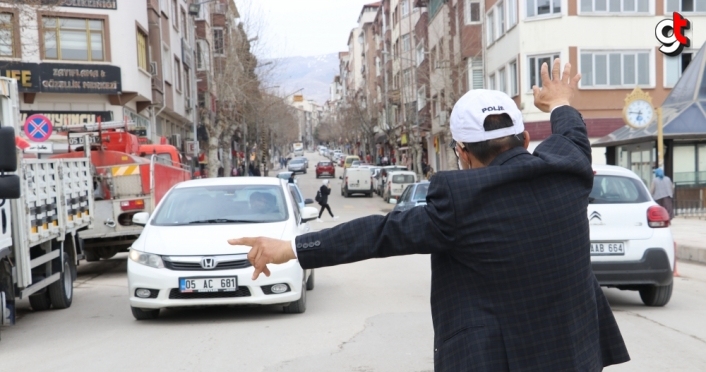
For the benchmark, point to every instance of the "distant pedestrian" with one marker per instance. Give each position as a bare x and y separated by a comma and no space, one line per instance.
662,190
430,173
322,197
256,171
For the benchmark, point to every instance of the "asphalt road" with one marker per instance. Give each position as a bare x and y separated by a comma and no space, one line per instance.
371,316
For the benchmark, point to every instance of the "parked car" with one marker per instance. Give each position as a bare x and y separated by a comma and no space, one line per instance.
355,164
396,183
379,183
414,195
297,165
182,258
306,161
285,176
323,150
632,247
349,161
357,181
325,168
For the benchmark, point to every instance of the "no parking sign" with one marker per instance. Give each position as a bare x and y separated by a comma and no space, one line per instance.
38,128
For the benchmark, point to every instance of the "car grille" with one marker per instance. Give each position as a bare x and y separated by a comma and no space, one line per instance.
195,266
174,294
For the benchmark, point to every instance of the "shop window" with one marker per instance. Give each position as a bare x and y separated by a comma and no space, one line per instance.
73,39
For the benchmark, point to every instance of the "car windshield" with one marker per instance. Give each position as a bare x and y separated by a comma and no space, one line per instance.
421,192
403,178
222,204
296,161
617,190
284,175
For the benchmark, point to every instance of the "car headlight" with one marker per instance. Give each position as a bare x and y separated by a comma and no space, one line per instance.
147,259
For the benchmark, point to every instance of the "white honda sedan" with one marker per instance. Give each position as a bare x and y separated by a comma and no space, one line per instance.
182,258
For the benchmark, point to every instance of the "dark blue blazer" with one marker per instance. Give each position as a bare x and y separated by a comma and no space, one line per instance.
512,286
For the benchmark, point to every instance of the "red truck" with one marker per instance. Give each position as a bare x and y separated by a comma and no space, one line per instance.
128,177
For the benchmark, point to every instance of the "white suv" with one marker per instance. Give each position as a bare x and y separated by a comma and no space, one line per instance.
631,244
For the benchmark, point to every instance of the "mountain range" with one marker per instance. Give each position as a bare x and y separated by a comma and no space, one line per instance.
314,74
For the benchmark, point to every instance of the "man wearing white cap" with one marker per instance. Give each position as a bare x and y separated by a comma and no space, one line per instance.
512,285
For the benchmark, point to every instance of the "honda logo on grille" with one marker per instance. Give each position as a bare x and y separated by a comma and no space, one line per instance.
208,263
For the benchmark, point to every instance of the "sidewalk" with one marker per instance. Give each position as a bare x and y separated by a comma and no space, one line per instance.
690,236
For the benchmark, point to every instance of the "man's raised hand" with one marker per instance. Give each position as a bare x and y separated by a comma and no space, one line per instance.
265,251
557,91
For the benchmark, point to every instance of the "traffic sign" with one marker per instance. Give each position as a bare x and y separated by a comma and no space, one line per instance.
38,128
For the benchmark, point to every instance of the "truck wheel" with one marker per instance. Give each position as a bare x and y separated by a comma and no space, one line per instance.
144,314
40,301
655,295
90,255
299,306
107,252
61,292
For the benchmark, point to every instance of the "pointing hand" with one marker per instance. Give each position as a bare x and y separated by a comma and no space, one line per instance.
265,251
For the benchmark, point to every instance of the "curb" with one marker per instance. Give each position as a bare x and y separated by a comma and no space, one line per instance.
689,253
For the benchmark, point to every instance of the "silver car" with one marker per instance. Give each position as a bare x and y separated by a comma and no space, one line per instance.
414,195
297,166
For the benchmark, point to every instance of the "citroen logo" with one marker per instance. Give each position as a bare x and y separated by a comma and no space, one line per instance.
208,263
595,215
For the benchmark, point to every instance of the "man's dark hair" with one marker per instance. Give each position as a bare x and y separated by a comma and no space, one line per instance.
486,151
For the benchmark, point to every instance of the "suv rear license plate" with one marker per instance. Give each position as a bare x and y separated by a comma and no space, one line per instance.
607,249
214,284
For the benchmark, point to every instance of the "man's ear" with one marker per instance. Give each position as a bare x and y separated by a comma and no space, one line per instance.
527,139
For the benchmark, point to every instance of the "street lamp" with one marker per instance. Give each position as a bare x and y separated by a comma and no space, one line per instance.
194,9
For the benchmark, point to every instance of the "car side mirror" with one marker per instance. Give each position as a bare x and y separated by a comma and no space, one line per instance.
308,201
141,218
9,187
393,201
309,214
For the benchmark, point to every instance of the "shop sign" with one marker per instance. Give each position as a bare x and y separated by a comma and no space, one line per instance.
93,4
70,118
64,77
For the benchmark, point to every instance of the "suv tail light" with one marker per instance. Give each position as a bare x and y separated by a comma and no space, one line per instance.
657,216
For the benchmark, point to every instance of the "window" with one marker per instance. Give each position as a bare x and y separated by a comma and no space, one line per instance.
407,76
511,13
7,36
406,43
543,7
491,82
615,68
514,89
616,6
420,53
421,97
686,6
475,75
175,15
177,74
167,61
500,13
405,7
203,57
472,13
164,6
218,47
675,66
184,28
617,190
501,80
73,39
491,27
142,50
187,83
535,66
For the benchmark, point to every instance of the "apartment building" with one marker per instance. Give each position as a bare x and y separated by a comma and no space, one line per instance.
74,64
520,35
171,34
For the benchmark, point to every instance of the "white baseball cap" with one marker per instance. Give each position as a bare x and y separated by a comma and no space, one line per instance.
470,112
325,182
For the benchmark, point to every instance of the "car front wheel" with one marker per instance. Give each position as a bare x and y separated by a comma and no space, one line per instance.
299,306
144,314
656,295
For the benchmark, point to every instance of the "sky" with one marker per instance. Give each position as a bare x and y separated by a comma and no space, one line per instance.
288,28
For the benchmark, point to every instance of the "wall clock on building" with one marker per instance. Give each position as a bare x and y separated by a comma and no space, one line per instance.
638,112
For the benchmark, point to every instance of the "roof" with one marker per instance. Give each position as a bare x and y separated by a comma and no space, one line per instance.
684,110
227,181
614,170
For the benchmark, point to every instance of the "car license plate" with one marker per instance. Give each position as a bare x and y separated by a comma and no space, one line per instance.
607,249
211,284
